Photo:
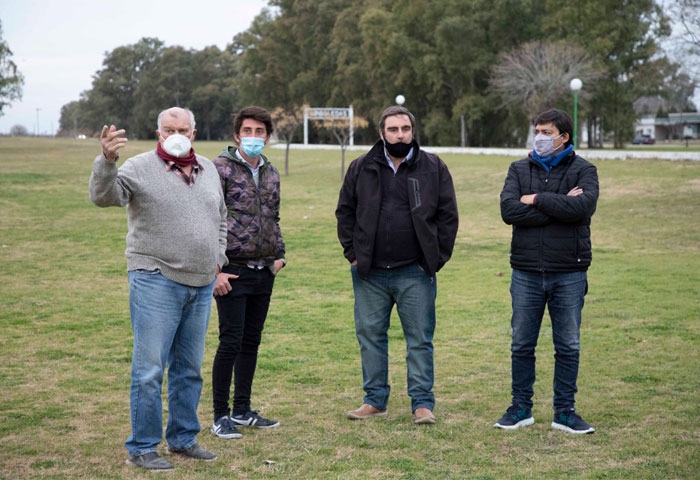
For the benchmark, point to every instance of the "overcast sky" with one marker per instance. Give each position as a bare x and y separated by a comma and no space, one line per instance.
59,45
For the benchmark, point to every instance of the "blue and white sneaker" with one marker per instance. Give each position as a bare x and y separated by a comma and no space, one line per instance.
225,428
515,417
252,419
571,422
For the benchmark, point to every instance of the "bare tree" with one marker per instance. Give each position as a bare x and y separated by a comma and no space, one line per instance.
19,131
537,75
340,127
287,121
689,17
684,44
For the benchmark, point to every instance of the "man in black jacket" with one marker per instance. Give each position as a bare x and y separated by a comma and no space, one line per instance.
397,223
549,199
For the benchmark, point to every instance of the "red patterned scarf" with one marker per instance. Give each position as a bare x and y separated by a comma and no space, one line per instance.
179,161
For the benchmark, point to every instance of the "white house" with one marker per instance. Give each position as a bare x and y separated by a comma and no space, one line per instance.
676,126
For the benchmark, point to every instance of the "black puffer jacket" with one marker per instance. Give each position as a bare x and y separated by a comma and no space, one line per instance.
432,201
554,235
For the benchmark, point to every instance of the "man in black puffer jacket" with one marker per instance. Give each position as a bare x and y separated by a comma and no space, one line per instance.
549,199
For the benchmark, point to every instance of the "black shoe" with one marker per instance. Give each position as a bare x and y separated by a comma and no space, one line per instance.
571,422
252,419
195,451
515,417
225,428
150,461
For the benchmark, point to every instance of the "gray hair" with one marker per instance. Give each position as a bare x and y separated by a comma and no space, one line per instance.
169,111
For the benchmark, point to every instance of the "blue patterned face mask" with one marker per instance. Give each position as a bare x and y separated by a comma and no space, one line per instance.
252,146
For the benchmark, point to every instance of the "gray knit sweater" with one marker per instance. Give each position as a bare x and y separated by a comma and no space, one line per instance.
177,228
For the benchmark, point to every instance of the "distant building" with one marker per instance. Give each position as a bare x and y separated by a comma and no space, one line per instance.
662,126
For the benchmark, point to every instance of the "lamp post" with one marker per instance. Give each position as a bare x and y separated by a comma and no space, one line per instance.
37,122
575,85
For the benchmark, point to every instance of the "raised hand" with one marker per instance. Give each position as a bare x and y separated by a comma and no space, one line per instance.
112,140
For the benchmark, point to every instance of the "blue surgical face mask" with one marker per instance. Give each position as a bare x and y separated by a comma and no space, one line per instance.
544,145
252,146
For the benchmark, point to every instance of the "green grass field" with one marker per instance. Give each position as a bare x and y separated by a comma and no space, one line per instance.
65,336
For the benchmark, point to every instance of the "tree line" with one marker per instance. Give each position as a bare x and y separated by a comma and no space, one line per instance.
474,72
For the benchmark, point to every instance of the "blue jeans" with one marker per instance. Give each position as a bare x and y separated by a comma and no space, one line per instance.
169,321
563,294
413,292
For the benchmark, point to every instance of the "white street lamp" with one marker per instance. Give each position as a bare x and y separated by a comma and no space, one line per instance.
400,99
576,85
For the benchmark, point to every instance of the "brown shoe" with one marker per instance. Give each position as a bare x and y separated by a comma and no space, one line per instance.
366,411
423,416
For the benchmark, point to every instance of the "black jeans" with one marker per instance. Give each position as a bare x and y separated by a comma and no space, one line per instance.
242,314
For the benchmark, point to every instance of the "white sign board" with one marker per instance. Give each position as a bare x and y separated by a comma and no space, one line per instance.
325,113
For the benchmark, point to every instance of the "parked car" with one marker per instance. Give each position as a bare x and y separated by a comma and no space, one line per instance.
644,140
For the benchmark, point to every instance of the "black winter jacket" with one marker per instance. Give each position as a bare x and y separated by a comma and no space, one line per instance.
432,201
554,235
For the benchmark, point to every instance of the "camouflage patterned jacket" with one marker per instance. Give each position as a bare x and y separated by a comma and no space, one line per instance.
254,236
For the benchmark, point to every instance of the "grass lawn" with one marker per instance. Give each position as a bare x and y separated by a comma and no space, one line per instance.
65,336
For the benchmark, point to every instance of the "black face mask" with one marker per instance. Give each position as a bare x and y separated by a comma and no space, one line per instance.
398,149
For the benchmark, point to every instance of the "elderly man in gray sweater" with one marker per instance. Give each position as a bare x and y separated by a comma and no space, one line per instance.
175,246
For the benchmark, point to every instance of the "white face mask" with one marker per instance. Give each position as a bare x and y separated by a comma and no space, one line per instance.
544,145
177,145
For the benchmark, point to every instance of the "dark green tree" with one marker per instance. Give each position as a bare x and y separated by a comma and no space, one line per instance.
467,40
11,80
363,75
70,119
439,54
113,98
285,60
623,36
168,82
261,51
214,95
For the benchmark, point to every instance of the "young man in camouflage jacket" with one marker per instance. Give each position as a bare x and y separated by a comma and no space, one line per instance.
255,251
